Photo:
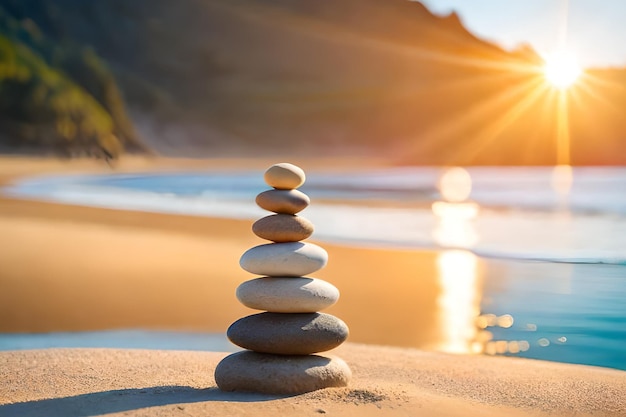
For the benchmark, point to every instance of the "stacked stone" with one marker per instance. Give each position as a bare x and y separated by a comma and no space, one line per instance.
282,342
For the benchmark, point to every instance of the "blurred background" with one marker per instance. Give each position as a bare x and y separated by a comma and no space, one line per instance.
466,161
356,77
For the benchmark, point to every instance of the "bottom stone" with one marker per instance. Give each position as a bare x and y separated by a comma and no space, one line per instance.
249,371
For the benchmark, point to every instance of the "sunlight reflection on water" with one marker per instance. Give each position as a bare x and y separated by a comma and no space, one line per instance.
463,328
459,301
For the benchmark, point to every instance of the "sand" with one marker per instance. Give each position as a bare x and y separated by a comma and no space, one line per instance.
70,268
387,382
85,268
66,268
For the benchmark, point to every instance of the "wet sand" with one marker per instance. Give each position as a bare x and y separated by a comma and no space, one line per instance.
70,268
67,268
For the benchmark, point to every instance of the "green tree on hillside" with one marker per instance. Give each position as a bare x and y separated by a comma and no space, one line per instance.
58,98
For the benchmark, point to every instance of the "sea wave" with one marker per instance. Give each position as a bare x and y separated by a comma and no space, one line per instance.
518,218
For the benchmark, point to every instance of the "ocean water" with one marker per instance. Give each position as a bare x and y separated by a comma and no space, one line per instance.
554,286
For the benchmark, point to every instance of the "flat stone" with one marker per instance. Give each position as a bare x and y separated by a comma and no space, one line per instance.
290,259
283,201
283,228
279,374
287,295
284,176
288,333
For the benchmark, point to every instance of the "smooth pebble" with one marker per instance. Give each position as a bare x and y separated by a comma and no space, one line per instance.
290,259
287,295
288,333
278,374
283,201
283,228
284,176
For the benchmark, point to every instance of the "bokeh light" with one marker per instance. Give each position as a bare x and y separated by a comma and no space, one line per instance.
455,185
543,342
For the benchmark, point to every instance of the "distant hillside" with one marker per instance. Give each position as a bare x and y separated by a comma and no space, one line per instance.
58,98
202,77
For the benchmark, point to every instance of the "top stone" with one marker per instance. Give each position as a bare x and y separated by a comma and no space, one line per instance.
284,176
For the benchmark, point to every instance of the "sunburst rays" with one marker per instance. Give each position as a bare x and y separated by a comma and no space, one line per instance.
548,91
477,129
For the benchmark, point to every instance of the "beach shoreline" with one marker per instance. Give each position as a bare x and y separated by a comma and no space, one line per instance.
89,268
72,268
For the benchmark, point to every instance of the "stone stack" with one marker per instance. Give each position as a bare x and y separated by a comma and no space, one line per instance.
281,343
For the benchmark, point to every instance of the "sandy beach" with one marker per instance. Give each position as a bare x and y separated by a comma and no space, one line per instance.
387,382
68,268
84,268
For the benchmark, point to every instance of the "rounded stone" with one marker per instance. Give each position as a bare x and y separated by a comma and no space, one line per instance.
287,295
288,333
283,228
290,259
279,374
283,201
284,176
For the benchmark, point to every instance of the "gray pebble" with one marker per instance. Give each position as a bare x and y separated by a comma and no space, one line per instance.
288,333
283,228
279,374
283,201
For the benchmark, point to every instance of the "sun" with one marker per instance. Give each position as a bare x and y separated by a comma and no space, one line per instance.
561,70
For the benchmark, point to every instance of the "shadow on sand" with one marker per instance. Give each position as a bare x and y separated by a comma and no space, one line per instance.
105,402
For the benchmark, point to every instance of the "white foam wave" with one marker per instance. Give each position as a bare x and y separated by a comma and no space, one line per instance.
559,236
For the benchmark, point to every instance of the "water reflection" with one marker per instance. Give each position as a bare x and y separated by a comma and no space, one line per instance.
455,185
462,327
459,300
561,182
562,179
484,342
455,214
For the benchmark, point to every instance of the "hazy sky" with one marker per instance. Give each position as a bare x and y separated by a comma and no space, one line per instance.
596,29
